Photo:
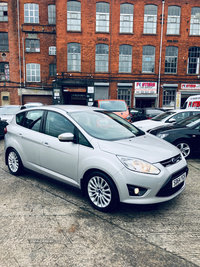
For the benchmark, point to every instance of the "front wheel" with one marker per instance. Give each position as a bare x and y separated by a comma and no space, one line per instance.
101,192
184,147
14,162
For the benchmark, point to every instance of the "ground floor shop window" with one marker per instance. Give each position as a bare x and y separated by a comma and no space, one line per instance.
169,97
124,94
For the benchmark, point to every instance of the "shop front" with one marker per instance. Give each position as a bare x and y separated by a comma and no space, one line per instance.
187,90
145,95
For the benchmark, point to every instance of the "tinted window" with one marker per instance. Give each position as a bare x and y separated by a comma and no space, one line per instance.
57,124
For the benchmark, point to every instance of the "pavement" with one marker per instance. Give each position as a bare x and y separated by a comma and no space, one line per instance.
46,223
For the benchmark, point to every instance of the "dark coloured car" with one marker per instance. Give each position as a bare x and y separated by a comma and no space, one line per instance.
184,134
146,113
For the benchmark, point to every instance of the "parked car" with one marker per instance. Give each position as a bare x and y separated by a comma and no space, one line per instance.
133,112
117,106
192,102
184,134
33,104
146,114
95,150
165,118
6,114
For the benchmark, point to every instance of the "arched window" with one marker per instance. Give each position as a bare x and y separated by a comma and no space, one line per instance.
195,21
125,58
3,12
74,57
150,19
126,18
73,16
31,13
193,60
102,17
173,20
148,59
171,58
51,14
101,60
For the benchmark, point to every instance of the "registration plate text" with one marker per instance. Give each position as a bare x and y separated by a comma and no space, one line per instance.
178,180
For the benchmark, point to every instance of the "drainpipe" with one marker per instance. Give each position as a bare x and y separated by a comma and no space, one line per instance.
160,58
20,79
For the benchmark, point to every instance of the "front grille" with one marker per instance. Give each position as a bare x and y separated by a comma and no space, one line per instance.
171,161
167,189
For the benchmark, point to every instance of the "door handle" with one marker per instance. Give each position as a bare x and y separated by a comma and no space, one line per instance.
45,144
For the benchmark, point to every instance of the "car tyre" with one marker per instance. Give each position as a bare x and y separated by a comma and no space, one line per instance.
184,147
14,162
101,192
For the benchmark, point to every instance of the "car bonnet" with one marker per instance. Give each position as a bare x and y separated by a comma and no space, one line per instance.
146,147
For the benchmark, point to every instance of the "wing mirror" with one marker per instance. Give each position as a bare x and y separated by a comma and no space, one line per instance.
66,137
172,120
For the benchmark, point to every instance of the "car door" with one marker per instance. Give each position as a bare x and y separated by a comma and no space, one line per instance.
59,159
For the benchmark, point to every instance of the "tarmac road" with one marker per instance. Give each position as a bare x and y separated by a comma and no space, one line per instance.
45,223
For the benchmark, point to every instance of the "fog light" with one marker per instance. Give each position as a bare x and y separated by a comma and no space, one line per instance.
136,191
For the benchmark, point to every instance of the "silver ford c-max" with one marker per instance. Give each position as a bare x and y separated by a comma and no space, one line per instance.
105,156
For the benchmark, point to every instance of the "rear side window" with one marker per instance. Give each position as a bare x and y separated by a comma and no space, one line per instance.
30,119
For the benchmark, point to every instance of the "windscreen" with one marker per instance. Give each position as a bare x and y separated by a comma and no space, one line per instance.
105,125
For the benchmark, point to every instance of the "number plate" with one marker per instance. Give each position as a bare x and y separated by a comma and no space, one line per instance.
178,180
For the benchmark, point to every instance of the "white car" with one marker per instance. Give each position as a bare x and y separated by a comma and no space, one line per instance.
95,150
165,118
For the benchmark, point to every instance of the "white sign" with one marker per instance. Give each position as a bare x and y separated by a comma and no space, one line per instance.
189,86
145,87
90,89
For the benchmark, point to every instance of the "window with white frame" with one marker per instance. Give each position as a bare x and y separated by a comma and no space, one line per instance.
33,72
171,59
4,71
74,57
3,41
73,16
126,18
101,59
148,59
51,14
3,12
32,45
195,21
150,19
31,13
125,58
124,93
169,97
102,17
173,20
52,50
193,60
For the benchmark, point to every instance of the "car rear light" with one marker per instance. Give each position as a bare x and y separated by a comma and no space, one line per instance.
5,130
149,118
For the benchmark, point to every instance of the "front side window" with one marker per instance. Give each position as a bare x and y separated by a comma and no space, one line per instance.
102,17
33,72
57,124
193,60
4,72
150,19
3,12
125,58
171,59
126,18
74,57
101,59
195,21
52,70
32,45
148,59
3,41
31,13
51,14
173,20
73,16
52,50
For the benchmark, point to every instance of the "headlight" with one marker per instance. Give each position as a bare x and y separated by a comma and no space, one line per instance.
138,165
162,135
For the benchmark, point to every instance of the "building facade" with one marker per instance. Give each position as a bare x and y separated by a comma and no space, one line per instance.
74,52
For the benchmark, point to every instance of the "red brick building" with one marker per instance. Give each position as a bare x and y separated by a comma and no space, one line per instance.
72,52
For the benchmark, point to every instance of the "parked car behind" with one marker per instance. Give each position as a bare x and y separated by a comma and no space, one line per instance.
95,150
146,114
166,118
117,106
184,134
6,114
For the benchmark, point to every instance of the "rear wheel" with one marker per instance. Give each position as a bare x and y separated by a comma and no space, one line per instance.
14,162
101,192
184,147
